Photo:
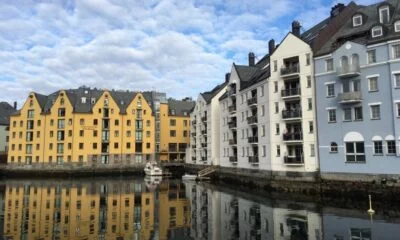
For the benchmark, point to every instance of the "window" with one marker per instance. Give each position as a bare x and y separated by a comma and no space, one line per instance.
276,107
330,90
82,121
397,26
357,20
262,110
94,145
334,147
311,126
378,149
391,146
277,129
358,115
397,80
81,133
275,86
312,150
309,104
329,64
375,112
371,54
116,122
275,65
396,51
172,122
332,115
398,109
376,31
116,145
31,113
172,133
81,146
384,15
308,59
347,114
128,122
278,151
308,81
355,152
373,84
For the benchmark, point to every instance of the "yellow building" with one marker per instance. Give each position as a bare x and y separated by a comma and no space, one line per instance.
83,126
175,129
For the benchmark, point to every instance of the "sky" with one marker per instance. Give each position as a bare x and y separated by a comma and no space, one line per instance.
181,47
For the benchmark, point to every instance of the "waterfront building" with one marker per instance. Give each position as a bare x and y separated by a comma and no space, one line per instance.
83,126
175,126
5,111
244,124
205,118
357,76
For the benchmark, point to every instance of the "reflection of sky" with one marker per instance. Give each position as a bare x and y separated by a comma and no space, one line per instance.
168,45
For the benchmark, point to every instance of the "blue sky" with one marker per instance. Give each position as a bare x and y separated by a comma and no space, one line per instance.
182,47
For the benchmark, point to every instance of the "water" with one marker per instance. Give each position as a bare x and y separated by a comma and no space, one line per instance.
131,208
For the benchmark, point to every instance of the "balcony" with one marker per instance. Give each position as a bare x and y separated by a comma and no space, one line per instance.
204,159
253,140
292,137
232,141
253,159
204,145
252,120
193,159
290,93
293,160
252,102
348,70
232,91
233,159
204,119
232,124
203,132
290,71
349,97
291,114
232,109
193,133
194,146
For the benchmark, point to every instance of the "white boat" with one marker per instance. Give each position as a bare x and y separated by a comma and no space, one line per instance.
152,181
189,177
152,169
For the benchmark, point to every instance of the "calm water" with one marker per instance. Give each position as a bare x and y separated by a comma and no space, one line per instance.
127,208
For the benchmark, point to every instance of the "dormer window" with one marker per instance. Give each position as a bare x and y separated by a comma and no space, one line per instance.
384,15
376,31
397,26
83,99
357,20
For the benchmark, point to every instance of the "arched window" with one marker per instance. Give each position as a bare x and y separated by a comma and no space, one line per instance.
355,59
334,147
376,31
344,62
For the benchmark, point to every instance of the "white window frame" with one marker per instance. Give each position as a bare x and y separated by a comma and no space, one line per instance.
374,147
369,83
393,51
331,147
385,8
397,104
326,65
371,51
397,26
327,90
344,114
329,111
375,29
355,154
358,16
387,147
371,105
395,74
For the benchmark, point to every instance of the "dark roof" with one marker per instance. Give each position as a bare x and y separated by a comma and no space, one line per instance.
123,99
362,34
5,111
258,73
209,95
180,107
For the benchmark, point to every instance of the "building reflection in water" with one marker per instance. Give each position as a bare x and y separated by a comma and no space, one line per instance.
137,209
100,210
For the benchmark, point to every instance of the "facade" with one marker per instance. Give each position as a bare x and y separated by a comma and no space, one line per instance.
175,129
357,77
83,126
244,112
5,111
205,132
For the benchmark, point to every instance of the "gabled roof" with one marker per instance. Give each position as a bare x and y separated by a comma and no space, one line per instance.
180,107
362,34
5,111
123,99
208,96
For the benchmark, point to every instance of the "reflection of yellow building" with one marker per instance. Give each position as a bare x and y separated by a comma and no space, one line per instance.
174,209
175,125
90,126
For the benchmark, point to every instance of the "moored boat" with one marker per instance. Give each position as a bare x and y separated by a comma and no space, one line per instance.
152,169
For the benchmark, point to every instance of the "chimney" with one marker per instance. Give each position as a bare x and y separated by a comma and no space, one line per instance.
227,76
271,46
15,105
335,10
296,28
251,59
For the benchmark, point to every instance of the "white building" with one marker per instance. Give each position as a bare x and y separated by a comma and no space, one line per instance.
244,112
204,148
292,108
5,111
